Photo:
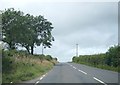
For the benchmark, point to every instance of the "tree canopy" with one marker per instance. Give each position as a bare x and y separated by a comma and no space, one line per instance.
25,30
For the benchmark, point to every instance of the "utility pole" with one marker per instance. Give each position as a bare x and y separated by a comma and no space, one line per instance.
42,49
76,50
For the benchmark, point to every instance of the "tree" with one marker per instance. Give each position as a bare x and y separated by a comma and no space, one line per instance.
112,57
55,59
28,36
26,30
41,32
48,57
10,27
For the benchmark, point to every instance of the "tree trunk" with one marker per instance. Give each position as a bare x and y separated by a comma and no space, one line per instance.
11,46
27,48
32,49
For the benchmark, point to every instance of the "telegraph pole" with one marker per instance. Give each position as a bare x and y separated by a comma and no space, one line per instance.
76,50
42,48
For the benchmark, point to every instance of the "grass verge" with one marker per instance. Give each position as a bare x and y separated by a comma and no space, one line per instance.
18,68
106,67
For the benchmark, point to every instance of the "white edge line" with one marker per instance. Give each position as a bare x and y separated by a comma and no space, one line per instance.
99,80
37,82
43,76
82,72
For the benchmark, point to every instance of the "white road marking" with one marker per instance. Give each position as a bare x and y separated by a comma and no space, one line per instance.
82,71
74,67
43,76
37,82
99,80
86,74
78,69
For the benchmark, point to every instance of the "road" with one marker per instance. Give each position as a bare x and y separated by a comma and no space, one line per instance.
77,73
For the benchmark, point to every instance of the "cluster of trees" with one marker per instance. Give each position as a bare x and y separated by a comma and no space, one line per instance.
110,58
19,29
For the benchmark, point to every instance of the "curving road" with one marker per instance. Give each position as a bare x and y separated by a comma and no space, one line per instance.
77,73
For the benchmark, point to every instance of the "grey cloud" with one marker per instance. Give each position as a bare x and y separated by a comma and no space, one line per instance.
93,25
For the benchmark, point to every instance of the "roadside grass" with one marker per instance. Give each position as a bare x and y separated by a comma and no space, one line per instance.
18,68
106,67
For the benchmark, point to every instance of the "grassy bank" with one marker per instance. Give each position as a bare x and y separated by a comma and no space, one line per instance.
97,61
109,60
19,66
106,67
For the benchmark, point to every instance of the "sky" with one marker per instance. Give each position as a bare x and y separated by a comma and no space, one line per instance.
92,25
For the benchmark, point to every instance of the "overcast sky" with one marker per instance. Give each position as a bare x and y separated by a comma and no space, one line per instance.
92,25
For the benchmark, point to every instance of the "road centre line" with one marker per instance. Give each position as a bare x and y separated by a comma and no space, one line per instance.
82,71
99,80
78,69
74,67
86,74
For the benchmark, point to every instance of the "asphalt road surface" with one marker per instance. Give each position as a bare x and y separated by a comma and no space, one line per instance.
77,73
